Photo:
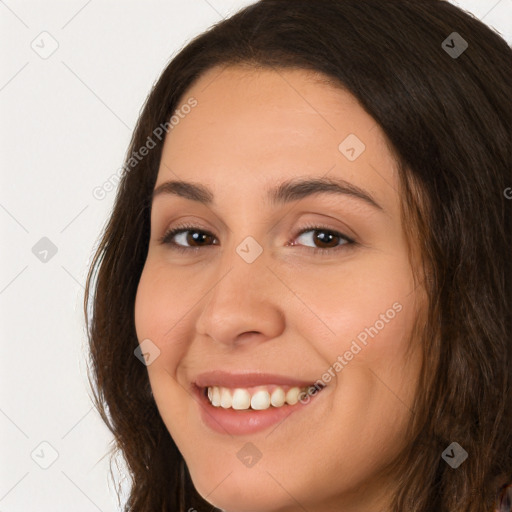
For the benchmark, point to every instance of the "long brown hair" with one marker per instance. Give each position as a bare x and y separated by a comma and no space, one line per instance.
448,121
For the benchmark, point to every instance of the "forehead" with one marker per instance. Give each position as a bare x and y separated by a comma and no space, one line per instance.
253,128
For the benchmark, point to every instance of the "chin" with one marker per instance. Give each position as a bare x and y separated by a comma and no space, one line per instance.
251,490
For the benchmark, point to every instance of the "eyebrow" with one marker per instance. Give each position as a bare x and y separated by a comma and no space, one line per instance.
285,192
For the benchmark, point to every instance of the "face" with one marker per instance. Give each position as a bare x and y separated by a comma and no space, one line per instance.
289,268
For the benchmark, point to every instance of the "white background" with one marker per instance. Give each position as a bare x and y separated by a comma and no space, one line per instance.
65,124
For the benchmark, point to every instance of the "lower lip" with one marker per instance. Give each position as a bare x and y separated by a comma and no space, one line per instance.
249,421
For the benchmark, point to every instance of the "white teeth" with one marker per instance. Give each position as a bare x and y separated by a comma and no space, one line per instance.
241,399
292,397
278,397
261,399
225,398
215,397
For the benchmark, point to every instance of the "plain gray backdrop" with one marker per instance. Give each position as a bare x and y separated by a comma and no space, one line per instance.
73,78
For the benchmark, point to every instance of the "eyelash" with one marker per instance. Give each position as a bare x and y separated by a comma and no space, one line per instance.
165,239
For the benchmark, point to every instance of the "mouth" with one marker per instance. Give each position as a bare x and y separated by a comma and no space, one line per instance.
247,403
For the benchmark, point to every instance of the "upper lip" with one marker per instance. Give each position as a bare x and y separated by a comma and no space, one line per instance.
245,379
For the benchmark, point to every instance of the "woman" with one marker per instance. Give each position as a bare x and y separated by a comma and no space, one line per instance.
303,298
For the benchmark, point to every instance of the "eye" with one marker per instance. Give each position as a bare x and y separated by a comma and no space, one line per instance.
183,235
192,238
328,239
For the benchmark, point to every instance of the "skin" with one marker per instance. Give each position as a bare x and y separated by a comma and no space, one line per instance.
292,311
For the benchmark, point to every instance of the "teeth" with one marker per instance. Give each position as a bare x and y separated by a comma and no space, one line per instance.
241,399
278,398
292,397
261,399
225,398
215,397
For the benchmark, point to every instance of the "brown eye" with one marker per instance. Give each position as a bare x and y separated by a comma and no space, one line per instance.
197,237
325,238
191,237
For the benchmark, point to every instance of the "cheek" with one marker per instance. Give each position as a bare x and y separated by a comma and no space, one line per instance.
160,316
160,306
367,302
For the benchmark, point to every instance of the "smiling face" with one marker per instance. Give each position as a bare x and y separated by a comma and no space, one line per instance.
273,285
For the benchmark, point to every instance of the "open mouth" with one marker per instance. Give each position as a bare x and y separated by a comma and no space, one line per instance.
246,403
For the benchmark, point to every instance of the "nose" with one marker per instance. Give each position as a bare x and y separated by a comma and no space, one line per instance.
244,304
